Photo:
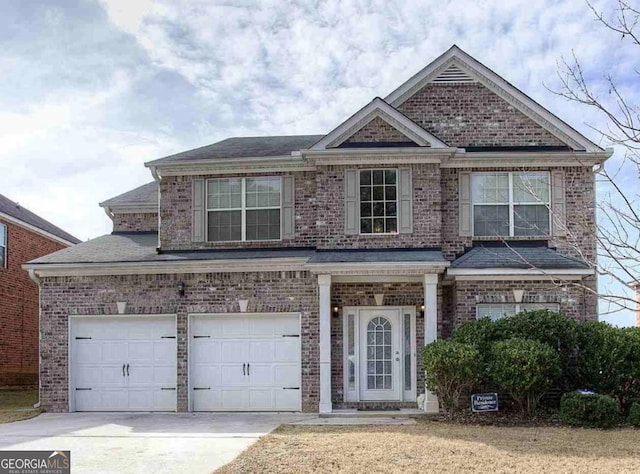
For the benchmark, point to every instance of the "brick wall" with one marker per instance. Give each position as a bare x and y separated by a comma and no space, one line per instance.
157,294
176,214
574,301
580,210
19,306
135,222
471,115
426,211
378,131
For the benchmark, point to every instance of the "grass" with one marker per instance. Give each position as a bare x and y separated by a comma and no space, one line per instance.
432,446
16,405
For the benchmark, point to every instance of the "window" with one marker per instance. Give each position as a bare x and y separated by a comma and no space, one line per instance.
3,246
379,359
498,311
378,201
240,209
510,204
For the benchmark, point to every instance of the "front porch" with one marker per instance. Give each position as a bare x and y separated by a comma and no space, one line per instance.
373,325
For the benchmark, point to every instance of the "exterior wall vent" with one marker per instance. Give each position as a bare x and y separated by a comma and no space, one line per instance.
453,75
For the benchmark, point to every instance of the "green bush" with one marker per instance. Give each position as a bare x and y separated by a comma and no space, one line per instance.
525,369
588,410
634,414
554,329
551,328
610,361
451,369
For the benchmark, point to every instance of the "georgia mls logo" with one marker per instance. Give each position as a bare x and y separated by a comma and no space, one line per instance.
35,462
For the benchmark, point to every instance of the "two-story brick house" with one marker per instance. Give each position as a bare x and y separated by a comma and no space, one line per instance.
24,236
306,272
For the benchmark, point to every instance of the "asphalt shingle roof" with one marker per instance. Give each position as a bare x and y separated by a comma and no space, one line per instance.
145,194
141,247
514,256
13,209
378,255
244,147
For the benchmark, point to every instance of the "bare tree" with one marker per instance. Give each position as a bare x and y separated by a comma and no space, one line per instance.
618,209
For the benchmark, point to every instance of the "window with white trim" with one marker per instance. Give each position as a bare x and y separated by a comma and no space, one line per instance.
495,311
379,201
243,209
511,204
3,246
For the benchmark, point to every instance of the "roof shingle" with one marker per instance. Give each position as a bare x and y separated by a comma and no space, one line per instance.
15,210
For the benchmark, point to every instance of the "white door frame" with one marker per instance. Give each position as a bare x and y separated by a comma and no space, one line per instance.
190,317
353,394
73,317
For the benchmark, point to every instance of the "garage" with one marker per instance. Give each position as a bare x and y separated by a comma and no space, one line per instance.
245,362
122,363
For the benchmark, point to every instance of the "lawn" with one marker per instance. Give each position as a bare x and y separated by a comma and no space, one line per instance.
433,446
16,405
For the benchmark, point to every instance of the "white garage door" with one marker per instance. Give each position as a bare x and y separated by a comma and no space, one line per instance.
245,362
123,363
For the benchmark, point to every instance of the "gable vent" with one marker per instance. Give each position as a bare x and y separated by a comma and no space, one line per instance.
453,75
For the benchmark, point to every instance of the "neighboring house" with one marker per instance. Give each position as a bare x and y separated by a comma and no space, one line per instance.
306,272
23,237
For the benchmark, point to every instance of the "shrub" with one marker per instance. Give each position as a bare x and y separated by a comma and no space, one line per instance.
525,369
588,410
634,414
551,328
610,361
480,334
451,369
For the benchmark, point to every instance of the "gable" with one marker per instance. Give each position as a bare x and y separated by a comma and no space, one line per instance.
378,132
467,114
511,118
392,126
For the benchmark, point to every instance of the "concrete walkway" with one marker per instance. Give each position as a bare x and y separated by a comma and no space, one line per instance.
144,442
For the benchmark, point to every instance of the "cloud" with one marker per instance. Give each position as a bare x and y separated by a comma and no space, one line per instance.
91,90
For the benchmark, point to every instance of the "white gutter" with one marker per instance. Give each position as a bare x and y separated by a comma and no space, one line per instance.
167,266
35,229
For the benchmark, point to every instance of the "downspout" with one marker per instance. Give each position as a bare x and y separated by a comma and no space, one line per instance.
37,281
156,176
108,212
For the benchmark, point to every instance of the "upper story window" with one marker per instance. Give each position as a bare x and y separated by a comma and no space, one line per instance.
243,209
510,204
378,201
3,246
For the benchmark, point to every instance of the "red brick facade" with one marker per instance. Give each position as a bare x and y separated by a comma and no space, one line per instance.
19,306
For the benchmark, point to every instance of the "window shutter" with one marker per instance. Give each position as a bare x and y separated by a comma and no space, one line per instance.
198,197
288,209
464,204
351,202
405,200
558,203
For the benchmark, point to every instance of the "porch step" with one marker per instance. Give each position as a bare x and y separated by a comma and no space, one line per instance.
353,413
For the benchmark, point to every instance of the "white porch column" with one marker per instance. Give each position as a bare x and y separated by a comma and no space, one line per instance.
430,329
324,284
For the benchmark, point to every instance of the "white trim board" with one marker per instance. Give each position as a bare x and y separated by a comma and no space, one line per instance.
378,108
32,228
495,83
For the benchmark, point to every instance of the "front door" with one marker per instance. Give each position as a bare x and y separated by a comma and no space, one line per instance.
380,353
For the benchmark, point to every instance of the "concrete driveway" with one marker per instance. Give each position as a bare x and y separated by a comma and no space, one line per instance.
143,442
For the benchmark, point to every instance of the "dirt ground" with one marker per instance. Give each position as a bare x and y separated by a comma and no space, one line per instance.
16,405
433,446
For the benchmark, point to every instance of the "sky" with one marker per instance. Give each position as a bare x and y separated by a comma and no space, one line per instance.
91,90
